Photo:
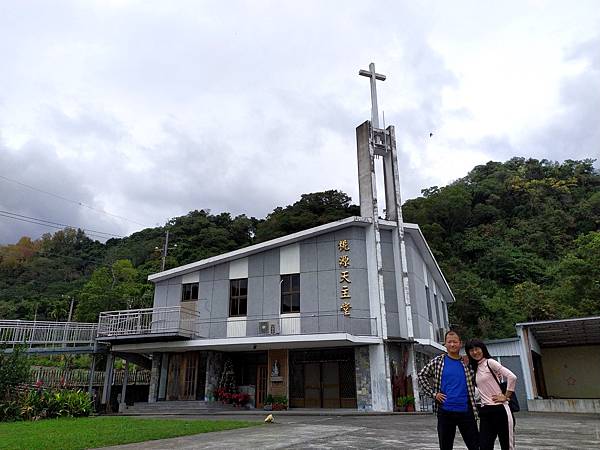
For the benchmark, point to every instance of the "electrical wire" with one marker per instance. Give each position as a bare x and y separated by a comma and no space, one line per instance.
56,225
70,201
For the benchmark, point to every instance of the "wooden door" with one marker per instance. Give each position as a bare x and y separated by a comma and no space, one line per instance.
330,375
189,374
261,385
312,385
173,376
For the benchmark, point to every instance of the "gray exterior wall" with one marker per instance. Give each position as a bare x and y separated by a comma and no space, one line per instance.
513,363
389,284
319,287
419,301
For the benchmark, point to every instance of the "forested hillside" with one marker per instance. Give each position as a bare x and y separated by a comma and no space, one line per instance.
517,241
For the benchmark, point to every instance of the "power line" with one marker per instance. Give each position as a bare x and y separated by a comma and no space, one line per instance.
51,224
70,201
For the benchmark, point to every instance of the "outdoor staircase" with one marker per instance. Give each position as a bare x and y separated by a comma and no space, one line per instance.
171,408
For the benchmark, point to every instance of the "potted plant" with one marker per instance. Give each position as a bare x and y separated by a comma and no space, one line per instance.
269,403
280,403
405,403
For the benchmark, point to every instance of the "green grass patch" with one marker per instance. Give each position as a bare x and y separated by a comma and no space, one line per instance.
90,432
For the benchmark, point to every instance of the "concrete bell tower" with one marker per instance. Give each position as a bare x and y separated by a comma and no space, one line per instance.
373,142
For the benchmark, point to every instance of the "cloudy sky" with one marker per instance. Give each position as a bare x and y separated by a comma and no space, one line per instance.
115,115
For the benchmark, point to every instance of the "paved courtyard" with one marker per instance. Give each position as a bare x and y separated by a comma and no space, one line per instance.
545,431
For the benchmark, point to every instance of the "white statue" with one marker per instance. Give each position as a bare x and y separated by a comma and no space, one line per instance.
275,369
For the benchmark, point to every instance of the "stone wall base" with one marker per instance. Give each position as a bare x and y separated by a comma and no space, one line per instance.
565,405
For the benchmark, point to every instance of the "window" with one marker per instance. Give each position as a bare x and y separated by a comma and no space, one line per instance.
290,293
189,292
428,299
437,310
238,297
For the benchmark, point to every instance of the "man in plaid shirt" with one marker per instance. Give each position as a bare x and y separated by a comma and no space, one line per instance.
454,394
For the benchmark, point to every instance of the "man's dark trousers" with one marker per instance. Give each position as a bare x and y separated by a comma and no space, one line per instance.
465,421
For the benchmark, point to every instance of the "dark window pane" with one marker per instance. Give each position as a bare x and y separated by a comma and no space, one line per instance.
295,303
296,282
195,291
242,307
285,283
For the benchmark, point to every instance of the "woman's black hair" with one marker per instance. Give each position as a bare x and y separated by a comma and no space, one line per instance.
472,343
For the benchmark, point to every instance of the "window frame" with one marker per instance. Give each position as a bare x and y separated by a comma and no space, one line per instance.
291,293
184,290
236,301
428,300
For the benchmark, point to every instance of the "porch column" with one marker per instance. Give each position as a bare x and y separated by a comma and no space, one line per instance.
153,390
108,377
162,384
123,404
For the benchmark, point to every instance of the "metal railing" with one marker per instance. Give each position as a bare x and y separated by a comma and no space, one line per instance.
60,377
181,321
47,334
139,322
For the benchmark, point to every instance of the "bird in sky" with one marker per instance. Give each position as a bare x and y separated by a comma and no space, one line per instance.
430,134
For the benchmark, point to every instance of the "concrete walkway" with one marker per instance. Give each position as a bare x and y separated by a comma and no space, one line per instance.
534,431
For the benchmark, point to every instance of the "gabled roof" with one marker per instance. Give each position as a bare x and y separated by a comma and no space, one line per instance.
411,228
263,246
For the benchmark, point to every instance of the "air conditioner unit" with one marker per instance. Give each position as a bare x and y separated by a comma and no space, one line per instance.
263,327
274,327
268,327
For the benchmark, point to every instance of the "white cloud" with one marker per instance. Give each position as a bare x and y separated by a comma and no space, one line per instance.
152,109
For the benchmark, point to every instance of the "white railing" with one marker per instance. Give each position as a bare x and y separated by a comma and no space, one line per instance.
47,334
137,322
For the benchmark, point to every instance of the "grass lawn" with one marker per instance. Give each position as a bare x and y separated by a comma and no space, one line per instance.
90,432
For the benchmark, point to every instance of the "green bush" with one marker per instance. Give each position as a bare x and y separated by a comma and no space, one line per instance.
41,404
14,369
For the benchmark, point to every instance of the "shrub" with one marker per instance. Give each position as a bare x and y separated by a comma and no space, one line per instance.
39,404
14,369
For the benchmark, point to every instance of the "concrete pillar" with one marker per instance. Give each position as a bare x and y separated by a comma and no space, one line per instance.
123,403
108,378
411,371
363,379
154,374
162,384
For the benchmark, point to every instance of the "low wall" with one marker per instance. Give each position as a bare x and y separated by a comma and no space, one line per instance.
565,405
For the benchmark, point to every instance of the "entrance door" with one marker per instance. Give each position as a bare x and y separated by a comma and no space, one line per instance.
312,385
261,385
330,375
182,377
189,375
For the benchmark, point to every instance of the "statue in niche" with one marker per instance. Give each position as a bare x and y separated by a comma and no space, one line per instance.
275,369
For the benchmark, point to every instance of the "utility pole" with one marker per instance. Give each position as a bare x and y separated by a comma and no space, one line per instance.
164,250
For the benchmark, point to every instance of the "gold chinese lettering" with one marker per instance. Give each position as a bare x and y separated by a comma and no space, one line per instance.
345,276
344,261
345,292
346,308
343,245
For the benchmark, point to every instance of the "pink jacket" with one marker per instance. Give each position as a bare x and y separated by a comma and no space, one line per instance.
486,384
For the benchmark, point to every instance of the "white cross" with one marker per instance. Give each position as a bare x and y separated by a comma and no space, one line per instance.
373,76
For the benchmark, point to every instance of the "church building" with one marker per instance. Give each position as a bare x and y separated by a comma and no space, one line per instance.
342,315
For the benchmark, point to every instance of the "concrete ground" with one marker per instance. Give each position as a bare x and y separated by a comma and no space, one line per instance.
534,431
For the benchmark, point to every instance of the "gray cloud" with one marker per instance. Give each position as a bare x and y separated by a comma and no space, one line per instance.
151,110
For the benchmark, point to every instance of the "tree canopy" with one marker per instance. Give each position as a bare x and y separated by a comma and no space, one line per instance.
517,241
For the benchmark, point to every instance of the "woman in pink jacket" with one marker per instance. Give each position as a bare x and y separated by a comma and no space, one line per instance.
496,419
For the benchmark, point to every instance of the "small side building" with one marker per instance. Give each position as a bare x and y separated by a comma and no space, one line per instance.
561,364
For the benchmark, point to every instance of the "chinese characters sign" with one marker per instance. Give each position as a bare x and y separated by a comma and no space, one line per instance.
344,263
